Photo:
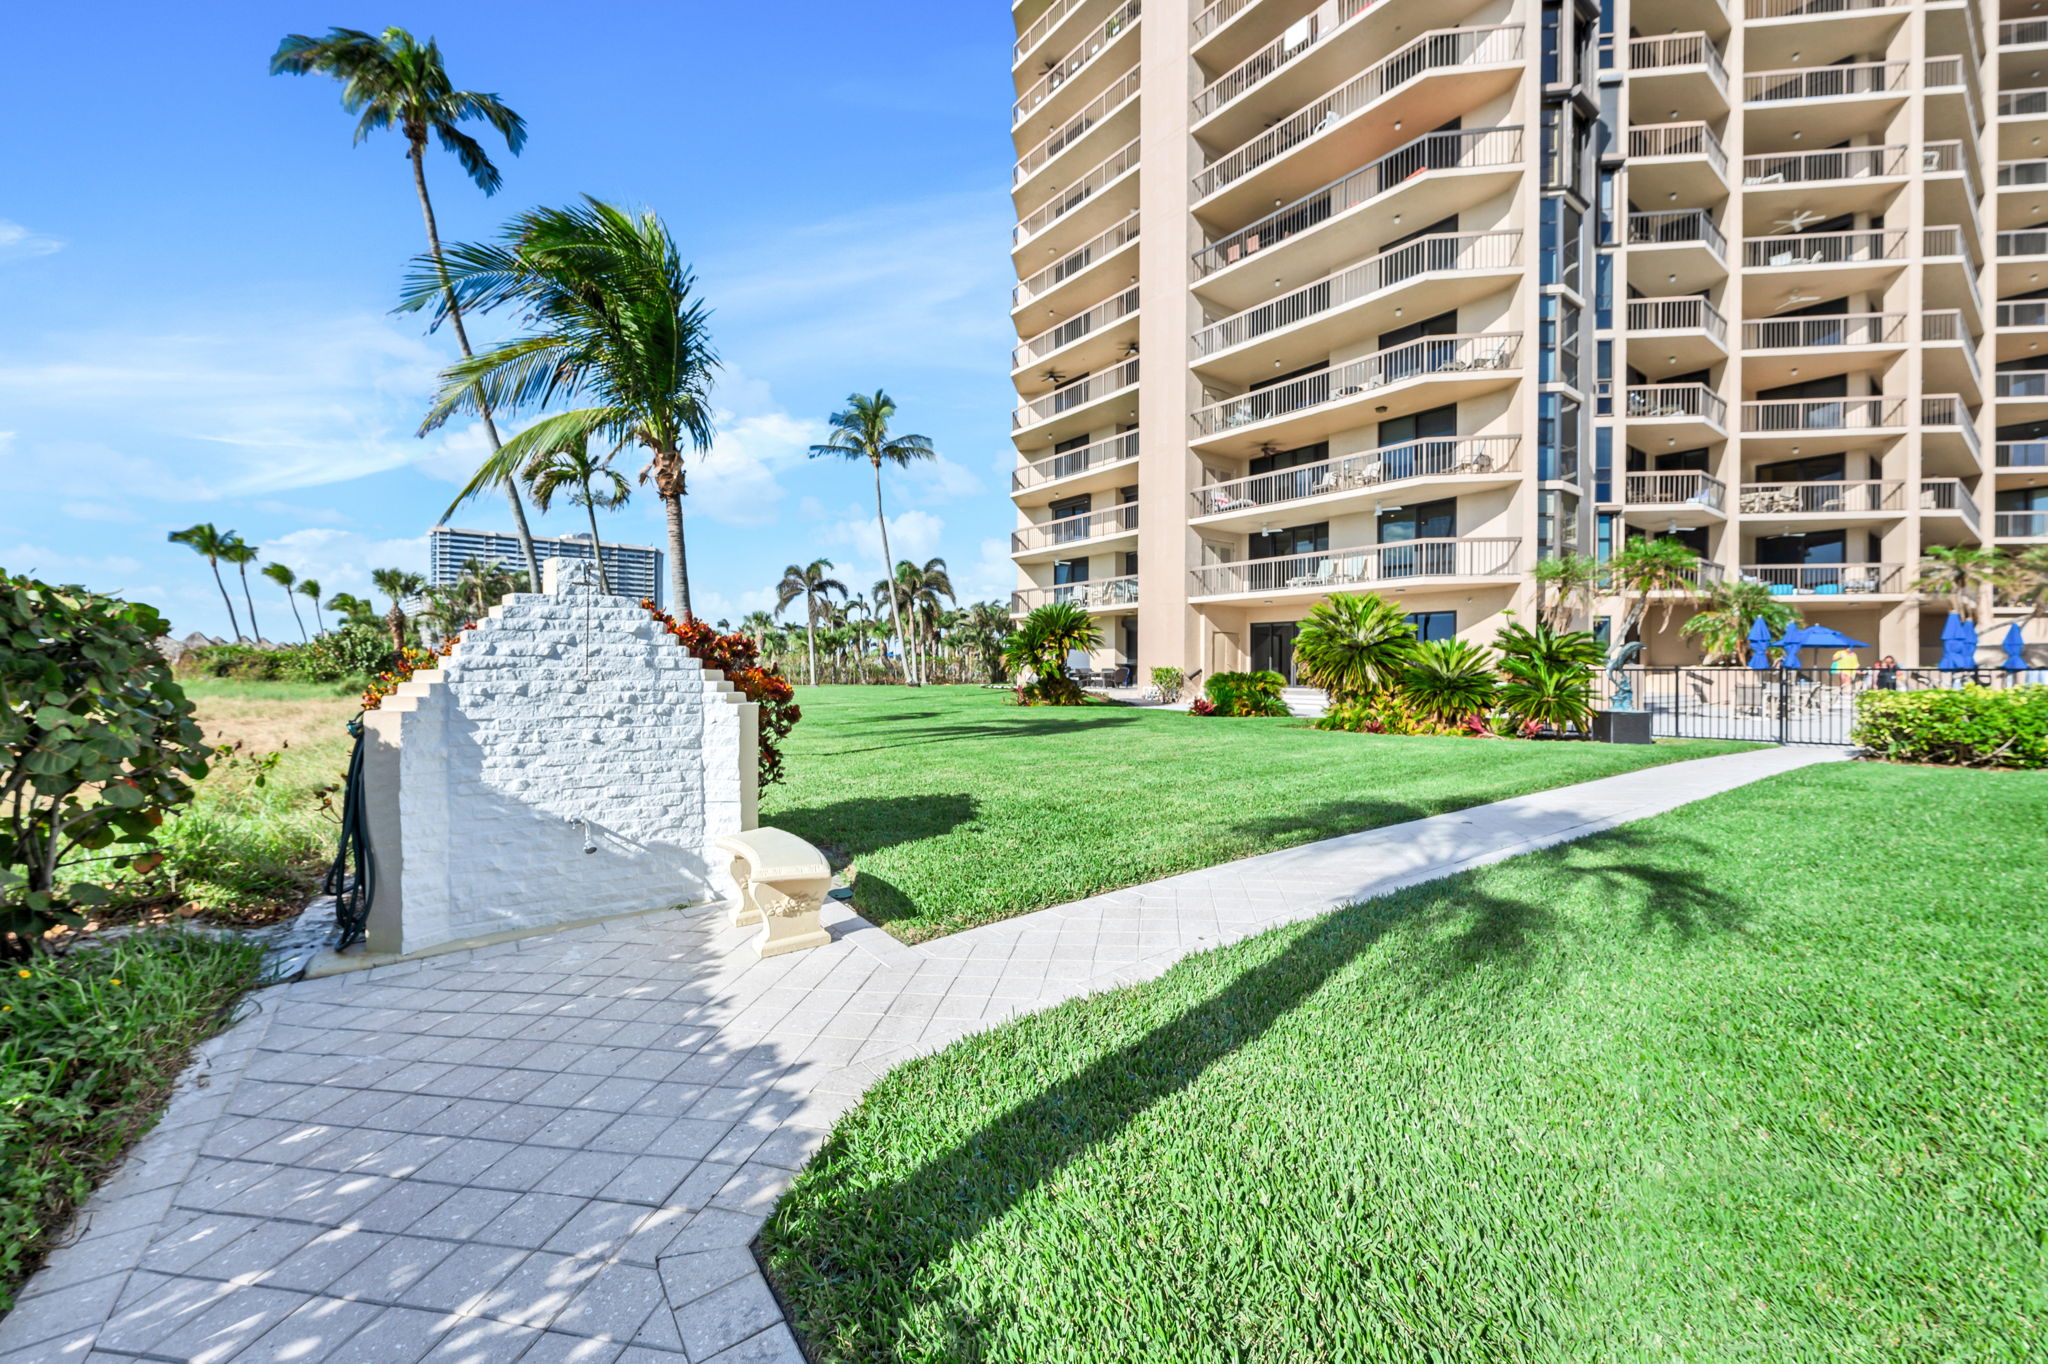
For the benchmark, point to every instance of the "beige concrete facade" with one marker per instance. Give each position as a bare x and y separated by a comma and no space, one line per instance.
1425,292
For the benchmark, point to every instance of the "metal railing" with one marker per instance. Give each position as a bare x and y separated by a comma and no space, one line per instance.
1946,411
1843,163
2033,242
1823,414
1944,325
2022,32
1075,328
1075,261
1861,496
1947,241
1106,592
1303,34
1678,49
2020,525
2026,312
1676,226
2018,174
1077,394
1421,359
1442,50
1677,315
1041,28
1450,251
1079,460
1843,329
1824,248
1124,87
1949,495
1118,164
1806,9
1689,488
1678,139
1441,457
2021,454
1825,82
1217,15
1074,530
1094,45
2032,383
1696,402
2030,102
1451,557
1824,580
1951,158
1476,148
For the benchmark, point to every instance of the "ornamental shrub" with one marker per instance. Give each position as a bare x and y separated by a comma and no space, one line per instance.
1247,694
1965,727
738,657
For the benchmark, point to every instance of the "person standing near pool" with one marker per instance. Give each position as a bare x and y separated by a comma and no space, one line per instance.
1844,666
1888,674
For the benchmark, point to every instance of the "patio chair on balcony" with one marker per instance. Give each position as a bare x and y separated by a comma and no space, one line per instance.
1324,572
1354,568
1223,502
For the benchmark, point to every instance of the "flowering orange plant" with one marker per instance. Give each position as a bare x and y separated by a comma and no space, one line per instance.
408,662
739,659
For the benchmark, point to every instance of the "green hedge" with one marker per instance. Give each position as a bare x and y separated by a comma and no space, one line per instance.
1966,727
1241,694
354,651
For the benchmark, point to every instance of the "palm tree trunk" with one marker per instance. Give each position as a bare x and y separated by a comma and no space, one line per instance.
519,526
596,546
889,577
225,599
254,628
319,621
679,571
291,600
811,634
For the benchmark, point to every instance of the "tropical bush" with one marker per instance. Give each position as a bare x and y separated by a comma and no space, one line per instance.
1549,675
1169,681
1451,681
1246,694
1966,727
737,656
1540,677
1353,646
1040,645
350,653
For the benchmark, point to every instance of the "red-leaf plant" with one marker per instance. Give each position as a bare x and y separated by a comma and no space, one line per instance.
740,660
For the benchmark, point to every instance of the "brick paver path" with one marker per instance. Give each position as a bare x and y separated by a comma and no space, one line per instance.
559,1149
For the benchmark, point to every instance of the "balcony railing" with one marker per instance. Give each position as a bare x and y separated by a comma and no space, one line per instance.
1432,355
1469,557
1843,329
2029,243
1677,315
1823,414
1825,580
1477,148
1450,251
1947,241
2021,454
1038,158
1107,592
2032,383
1303,34
1042,27
2028,312
1075,328
1089,48
1674,227
1678,139
1809,9
1843,163
2020,525
1443,457
1824,248
1074,530
1119,163
1946,411
1951,158
1217,15
1946,325
1825,82
1697,402
2031,102
1678,49
1949,495
1673,490
1861,497
1439,51
1077,394
1074,262
2020,174
1080,460
2022,32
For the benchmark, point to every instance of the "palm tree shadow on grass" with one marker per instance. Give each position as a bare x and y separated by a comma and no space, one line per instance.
847,831
858,1263
1016,729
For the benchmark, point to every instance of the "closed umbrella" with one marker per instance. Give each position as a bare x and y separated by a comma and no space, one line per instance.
2015,649
1760,645
1790,644
1958,645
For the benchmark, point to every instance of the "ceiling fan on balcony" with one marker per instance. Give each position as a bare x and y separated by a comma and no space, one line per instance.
1799,221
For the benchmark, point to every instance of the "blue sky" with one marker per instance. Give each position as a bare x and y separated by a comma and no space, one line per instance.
196,272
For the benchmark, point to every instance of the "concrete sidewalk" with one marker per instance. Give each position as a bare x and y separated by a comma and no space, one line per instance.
559,1149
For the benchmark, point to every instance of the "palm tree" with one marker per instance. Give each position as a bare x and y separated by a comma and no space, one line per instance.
759,624
352,609
205,539
1958,572
983,633
1728,611
1568,579
813,583
612,316
2023,579
396,583
241,554
394,79
1642,568
310,588
1354,645
591,483
919,589
285,578
862,432
1042,643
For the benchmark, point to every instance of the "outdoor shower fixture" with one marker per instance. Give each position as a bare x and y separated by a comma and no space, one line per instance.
579,822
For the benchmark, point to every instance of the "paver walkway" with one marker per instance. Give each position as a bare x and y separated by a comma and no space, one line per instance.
559,1149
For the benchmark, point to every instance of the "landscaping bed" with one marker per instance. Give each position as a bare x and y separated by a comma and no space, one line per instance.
1761,1078
957,807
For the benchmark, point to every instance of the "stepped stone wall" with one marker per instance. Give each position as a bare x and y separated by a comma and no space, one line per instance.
569,761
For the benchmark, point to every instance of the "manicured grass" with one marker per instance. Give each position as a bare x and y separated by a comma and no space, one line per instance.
89,1045
957,807
1762,1079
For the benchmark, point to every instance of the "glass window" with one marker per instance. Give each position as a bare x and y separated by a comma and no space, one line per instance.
1603,543
1603,464
1434,625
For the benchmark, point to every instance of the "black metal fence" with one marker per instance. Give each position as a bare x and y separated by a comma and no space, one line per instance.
1777,706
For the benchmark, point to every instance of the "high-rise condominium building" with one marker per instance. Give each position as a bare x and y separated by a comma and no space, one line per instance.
1407,295
632,570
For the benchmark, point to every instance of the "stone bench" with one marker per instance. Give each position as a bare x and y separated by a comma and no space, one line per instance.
782,881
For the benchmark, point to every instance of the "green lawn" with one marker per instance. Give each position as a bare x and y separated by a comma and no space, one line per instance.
1762,1079
957,807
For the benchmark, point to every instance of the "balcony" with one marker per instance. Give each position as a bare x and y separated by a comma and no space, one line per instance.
1828,264
1103,111
2027,174
2020,117
1058,282
1689,491
1105,595
1082,327
1052,539
2020,525
1447,368
1690,414
1683,71
1812,9
2020,454
1804,169
1824,105
1828,580
1683,242
1461,68
1664,159
1042,28
2023,33
1458,267
1044,93
2022,395
1074,407
1811,333
1848,81
1300,38
1950,360
1088,202
1103,464
1948,497
1387,567
1688,333
1799,416
1465,463
1842,502
1948,433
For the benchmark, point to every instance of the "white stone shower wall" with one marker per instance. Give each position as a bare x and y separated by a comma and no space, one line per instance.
562,706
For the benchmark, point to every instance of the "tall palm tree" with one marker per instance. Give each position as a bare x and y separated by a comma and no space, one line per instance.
352,609
287,579
1958,572
2023,579
397,584
205,539
612,316
759,624
920,590
862,432
241,554
814,584
1643,568
310,588
590,483
394,79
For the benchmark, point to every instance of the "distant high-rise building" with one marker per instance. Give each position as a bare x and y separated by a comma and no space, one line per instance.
633,570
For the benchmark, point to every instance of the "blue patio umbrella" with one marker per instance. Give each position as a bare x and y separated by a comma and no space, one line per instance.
1958,645
1760,645
2015,649
1827,637
1790,644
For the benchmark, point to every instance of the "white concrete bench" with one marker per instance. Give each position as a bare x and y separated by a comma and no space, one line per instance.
782,881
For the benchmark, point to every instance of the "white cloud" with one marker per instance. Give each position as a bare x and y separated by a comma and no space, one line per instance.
17,241
936,481
914,535
98,511
97,570
341,560
737,481
991,577
715,606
